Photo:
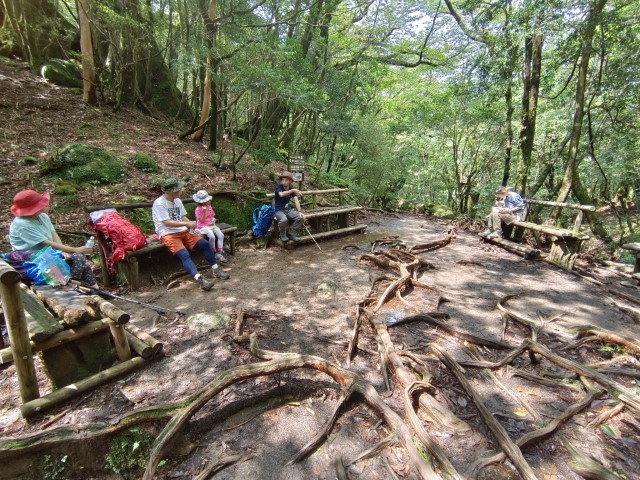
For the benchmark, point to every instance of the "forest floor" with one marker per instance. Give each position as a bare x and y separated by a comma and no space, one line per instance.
304,300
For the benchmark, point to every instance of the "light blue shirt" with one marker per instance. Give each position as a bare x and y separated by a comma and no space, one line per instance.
26,233
514,201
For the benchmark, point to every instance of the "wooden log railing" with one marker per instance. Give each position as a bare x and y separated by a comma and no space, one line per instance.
18,332
315,193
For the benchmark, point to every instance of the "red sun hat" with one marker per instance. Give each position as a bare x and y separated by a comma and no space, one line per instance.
28,202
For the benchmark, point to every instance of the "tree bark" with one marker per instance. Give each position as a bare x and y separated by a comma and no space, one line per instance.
578,115
86,47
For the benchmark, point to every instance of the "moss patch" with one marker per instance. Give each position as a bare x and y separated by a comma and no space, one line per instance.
145,163
129,452
66,73
439,210
79,163
234,211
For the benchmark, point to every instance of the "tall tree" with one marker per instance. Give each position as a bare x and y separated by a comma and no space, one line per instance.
86,48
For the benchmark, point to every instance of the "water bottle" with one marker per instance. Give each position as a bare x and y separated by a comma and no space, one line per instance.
91,242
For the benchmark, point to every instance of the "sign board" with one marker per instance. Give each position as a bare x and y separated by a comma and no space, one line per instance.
298,176
296,163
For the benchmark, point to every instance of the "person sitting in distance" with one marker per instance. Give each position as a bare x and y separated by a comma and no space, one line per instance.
286,216
509,213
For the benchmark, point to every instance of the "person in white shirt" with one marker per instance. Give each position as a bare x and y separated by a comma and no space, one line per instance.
174,229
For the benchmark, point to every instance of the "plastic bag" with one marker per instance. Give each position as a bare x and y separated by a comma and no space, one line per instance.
48,267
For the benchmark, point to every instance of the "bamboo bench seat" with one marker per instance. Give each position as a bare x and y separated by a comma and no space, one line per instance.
565,243
129,266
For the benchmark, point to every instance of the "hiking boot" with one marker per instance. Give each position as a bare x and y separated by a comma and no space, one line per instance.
218,273
220,257
293,237
284,238
488,231
205,284
494,235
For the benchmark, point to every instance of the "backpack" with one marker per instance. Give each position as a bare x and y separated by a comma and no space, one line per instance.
116,236
262,217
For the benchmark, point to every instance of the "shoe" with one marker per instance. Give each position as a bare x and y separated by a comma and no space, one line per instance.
205,284
218,273
488,231
284,238
220,257
494,235
293,237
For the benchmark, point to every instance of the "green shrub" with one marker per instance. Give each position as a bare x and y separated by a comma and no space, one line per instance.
145,163
66,73
79,163
48,467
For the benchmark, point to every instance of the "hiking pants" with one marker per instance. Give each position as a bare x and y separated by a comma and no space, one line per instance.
284,217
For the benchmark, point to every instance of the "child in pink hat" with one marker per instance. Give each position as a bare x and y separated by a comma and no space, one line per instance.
206,223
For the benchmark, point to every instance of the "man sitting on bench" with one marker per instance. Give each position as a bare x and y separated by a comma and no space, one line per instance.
511,212
174,230
283,211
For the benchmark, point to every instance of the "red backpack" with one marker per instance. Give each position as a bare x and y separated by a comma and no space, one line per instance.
117,235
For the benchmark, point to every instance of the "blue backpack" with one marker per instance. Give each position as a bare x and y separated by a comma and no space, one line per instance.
262,217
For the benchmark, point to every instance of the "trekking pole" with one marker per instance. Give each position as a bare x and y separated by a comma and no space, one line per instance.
314,240
108,295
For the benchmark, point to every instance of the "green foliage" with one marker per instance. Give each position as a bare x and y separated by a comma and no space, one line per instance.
145,163
48,467
439,210
129,452
81,163
234,212
66,73
64,188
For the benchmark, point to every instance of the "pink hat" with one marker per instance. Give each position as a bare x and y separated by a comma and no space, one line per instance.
28,202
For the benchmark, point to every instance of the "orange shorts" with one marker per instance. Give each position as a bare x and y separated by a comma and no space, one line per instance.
180,240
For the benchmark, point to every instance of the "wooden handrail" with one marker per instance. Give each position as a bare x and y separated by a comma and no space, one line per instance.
587,208
316,192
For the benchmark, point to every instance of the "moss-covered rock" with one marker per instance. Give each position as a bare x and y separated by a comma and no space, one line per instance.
66,73
64,188
145,163
439,210
79,163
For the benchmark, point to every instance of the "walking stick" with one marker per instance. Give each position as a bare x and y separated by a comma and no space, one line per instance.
108,295
314,240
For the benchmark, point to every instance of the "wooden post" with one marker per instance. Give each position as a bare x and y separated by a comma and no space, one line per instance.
120,341
578,222
141,348
18,333
146,338
110,310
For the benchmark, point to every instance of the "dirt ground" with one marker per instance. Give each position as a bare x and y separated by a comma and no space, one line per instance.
304,300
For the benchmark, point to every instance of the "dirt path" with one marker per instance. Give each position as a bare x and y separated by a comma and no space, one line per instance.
307,302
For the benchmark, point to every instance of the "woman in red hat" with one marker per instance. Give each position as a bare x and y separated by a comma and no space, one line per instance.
32,230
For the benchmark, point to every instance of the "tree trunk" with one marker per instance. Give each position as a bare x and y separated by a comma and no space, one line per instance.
578,115
86,47
531,80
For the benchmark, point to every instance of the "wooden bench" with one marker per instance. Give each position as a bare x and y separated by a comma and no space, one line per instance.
325,221
565,243
129,266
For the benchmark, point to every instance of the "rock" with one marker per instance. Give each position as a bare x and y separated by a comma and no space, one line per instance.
203,322
326,290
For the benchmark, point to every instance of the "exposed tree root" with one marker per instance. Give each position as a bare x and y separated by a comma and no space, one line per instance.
586,466
533,438
223,463
608,336
500,434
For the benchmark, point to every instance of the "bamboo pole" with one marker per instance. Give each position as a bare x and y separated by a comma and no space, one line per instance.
63,394
110,310
120,341
138,346
18,333
156,345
